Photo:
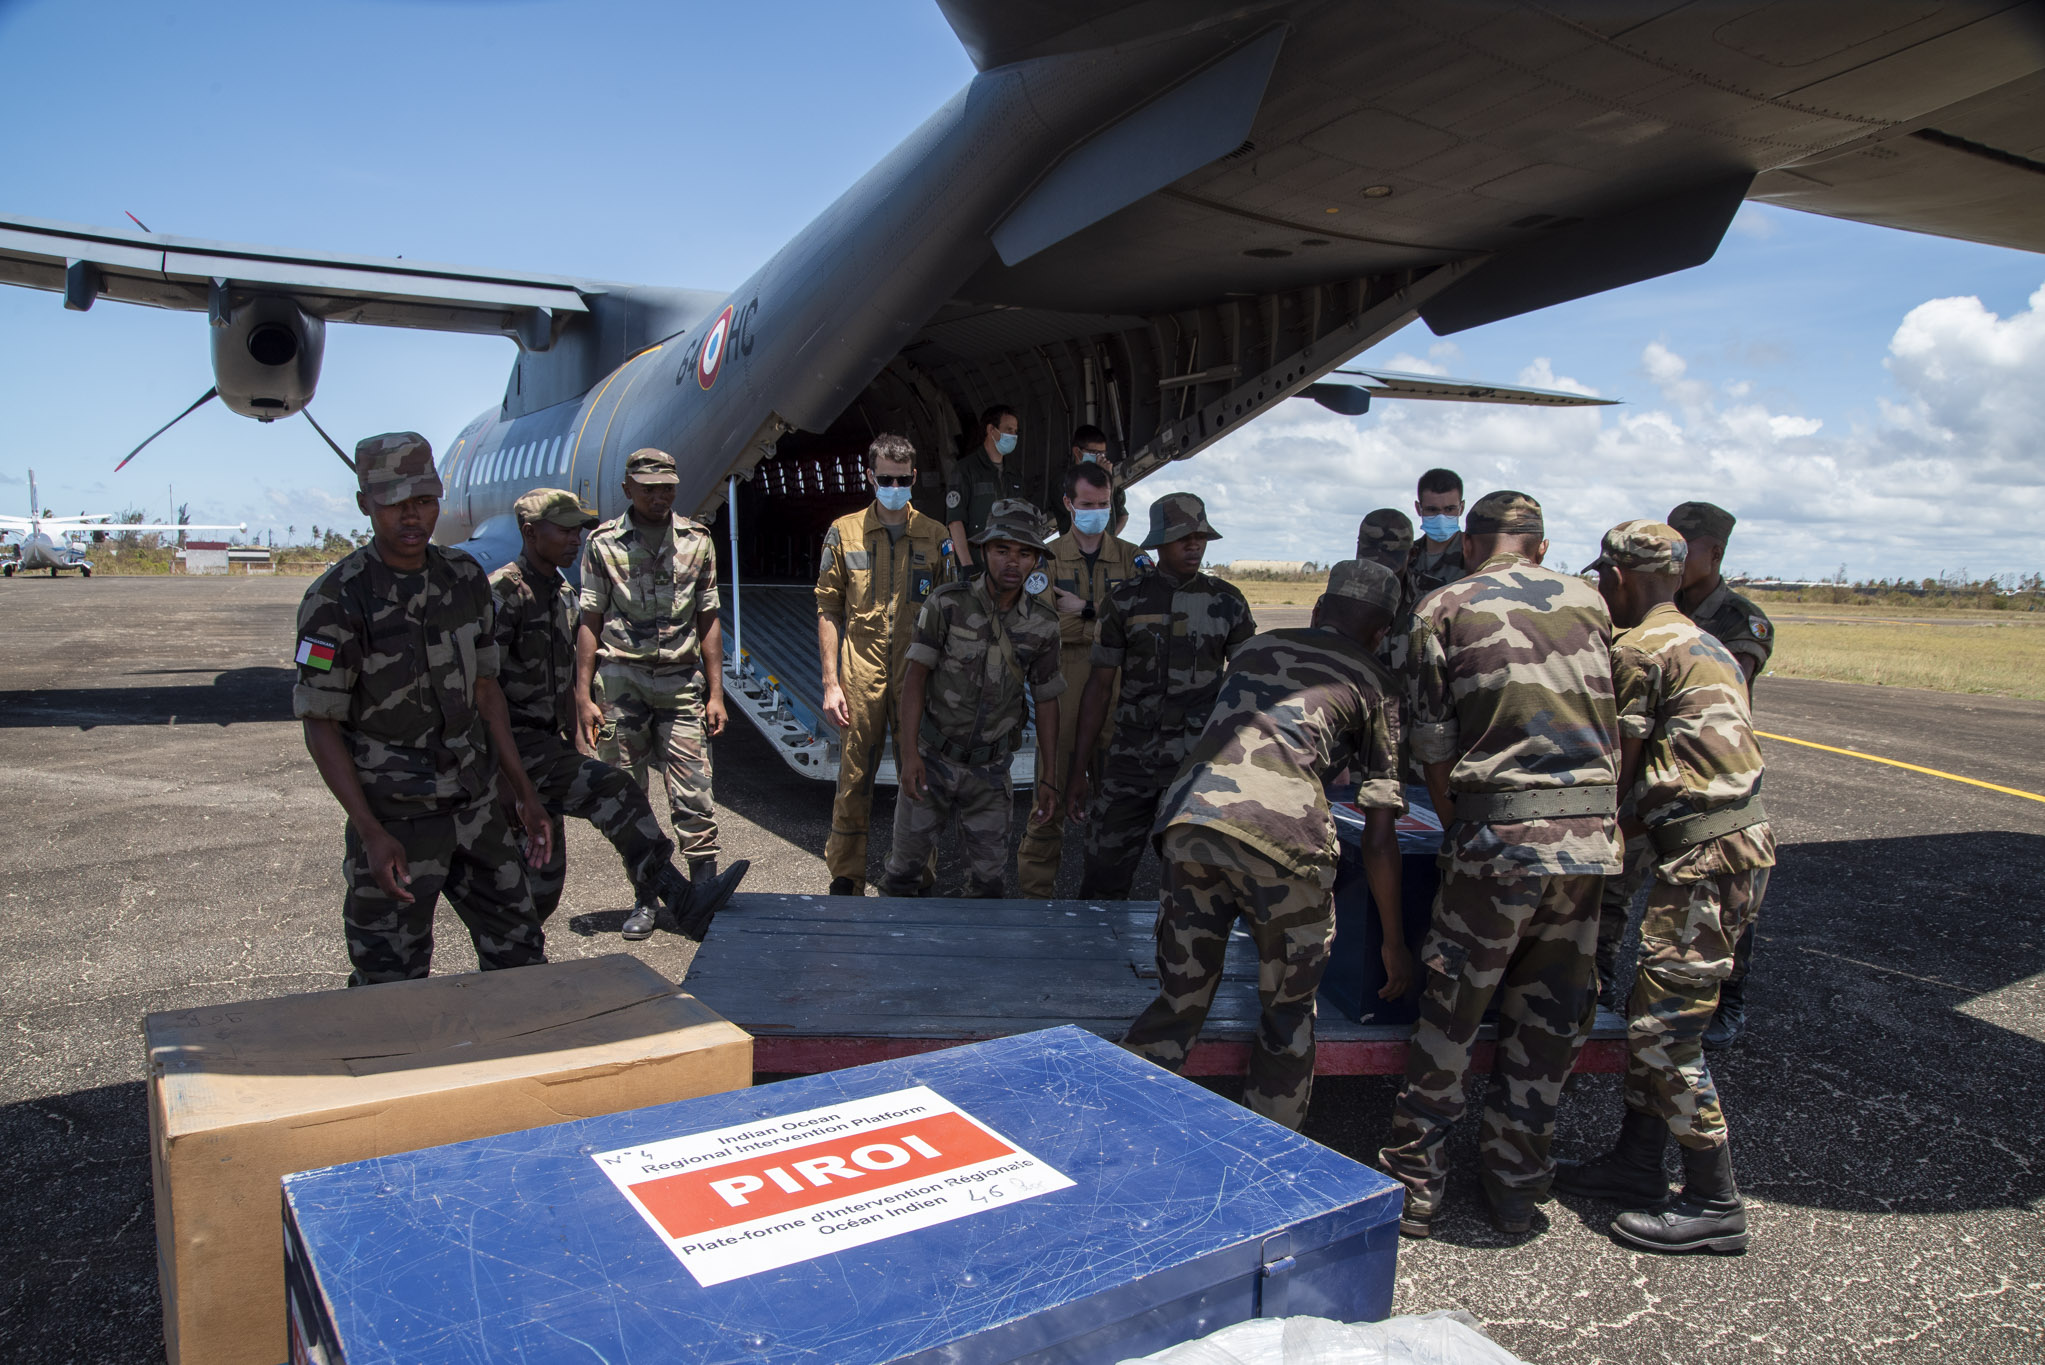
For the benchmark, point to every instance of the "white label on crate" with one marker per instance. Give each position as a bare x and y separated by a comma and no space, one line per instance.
762,1195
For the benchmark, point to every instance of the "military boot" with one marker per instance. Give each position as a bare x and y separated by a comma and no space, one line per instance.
1629,1174
708,891
1730,1017
847,886
1708,1215
1512,1210
645,911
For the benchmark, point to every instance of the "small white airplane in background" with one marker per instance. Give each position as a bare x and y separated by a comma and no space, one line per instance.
46,541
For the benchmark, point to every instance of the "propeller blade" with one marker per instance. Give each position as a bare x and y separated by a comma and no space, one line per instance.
138,222
204,399
341,454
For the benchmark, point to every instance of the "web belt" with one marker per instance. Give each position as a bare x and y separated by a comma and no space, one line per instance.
1544,803
1692,830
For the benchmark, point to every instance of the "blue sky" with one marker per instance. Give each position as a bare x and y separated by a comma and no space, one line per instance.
684,143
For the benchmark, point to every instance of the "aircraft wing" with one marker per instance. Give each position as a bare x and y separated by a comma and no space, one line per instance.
71,525
1552,150
86,264
1398,384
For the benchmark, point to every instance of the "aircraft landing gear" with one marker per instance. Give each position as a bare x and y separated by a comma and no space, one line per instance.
53,571
7,569
85,570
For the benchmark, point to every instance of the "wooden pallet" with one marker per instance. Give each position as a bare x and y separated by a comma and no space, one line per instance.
823,982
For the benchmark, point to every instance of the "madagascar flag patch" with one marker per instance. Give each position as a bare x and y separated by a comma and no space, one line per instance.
317,654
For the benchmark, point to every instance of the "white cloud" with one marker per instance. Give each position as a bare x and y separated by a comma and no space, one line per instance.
1947,476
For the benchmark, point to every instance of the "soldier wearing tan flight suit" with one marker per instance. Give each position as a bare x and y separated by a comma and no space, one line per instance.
879,564
1086,563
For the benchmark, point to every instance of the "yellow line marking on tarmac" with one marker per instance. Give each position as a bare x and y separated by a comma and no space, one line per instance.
1911,767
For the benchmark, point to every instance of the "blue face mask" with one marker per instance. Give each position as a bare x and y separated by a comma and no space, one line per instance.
1090,521
1005,442
894,499
1438,528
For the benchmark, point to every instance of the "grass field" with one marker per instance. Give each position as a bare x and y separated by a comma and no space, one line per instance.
1944,649
1985,652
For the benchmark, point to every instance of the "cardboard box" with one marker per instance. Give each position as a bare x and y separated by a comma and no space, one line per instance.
1041,1198
242,1095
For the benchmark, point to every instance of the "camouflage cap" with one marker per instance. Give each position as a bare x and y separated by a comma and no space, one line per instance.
1365,581
651,466
1385,537
1703,521
1016,519
1504,513
556,505
395,466
1651,547
1176,516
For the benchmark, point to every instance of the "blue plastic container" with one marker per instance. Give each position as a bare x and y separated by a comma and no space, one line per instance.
1076,1204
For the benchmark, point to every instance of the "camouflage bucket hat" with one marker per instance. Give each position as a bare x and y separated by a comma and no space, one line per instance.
1505,513
651,466
1385,537
395,466
1365,581
1703,521
556,505
1017,520
1642,546
1176,516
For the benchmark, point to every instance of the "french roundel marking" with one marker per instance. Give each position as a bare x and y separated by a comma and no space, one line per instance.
710,359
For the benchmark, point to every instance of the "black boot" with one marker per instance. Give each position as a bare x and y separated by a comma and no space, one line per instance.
709,890
645,912
1730,1017
847,886
1707,1216
1629,1174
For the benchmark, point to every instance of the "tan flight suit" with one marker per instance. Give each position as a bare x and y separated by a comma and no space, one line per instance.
1036,857
873,586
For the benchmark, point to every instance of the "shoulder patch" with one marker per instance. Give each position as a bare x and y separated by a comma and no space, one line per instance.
1036,583
1144,563
1759,625
951,498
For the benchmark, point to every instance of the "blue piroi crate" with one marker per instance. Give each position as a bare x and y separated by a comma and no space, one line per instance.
1047,1197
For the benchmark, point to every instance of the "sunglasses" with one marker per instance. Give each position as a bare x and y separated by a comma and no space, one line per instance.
894,480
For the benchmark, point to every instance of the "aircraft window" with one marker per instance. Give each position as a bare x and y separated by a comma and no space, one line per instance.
560,448
518,465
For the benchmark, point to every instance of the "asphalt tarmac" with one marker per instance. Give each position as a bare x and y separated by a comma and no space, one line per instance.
166,843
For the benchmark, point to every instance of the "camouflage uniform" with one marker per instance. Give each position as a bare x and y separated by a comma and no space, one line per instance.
1745,631
973,714
1512,681
1043,843
1385,537
393,660
1246,832
1682,694
535,634
873,584
1171,638
1432,566
652,586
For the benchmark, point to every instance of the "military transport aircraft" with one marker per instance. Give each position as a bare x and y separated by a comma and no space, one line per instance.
1163,219
46,542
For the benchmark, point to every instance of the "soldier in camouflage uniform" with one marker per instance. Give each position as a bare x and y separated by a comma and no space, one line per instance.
397,687
1692,768
1440,556
879,564
535,635
1745,631
1513,720
1085,565
649,666
1386,537
977,643
1168,634
1246,833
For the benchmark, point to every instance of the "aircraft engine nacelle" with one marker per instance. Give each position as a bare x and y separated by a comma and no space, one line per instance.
266,358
